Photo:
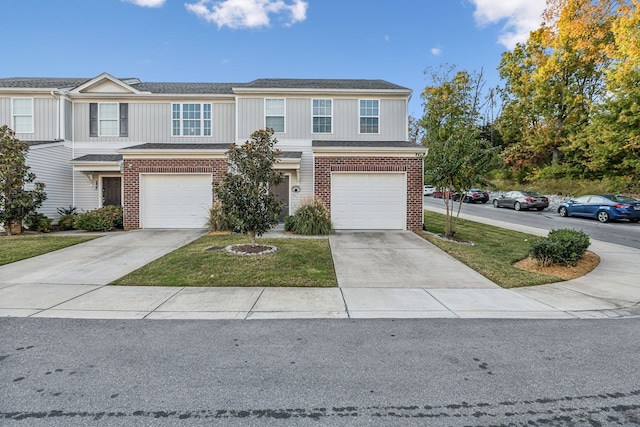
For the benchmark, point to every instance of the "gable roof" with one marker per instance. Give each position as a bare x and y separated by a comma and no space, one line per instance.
187,88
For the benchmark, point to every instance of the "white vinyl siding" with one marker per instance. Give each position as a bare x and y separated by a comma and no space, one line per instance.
191,119
322,112
369,201
369,116
274,114
22,115
50,163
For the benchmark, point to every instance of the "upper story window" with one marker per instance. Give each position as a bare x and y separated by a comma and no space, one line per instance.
274,114
108,119
369,116
322,115
22,115
191,120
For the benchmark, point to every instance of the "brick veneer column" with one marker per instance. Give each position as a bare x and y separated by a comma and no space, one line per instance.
134,167
323,166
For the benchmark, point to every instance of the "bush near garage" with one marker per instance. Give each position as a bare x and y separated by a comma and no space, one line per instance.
561,246
311,217
67,218
218,219
38,222
103,219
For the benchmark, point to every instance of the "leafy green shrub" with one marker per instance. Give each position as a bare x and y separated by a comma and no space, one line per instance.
218,219
67,218
562,246
38,222
311,217
288,223
104,219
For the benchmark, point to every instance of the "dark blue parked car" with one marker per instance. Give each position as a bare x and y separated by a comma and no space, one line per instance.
603,207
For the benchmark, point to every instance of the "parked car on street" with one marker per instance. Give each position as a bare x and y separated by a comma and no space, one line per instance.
427,190
603,207
519,200
440,193
472,196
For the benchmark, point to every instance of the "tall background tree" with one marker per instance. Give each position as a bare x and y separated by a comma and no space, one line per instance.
244,190
20,194
458,157
571,93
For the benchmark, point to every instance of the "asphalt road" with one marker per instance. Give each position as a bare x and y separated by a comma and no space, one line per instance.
444,372
620,232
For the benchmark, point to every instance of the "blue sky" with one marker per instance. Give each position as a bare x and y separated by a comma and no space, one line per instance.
242,40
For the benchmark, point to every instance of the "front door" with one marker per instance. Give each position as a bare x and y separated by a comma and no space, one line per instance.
111,191
282,193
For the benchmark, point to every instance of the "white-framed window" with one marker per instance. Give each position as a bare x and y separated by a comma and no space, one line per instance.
274,114
369,116
22,114
322,115
108,119
191,119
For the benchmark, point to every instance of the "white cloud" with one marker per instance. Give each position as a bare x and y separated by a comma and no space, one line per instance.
249,13
436,51
520,18
146,3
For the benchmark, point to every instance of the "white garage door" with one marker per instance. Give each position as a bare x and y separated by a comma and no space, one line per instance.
174,200
369,201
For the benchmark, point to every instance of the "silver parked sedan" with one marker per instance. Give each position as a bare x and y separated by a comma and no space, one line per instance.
519,200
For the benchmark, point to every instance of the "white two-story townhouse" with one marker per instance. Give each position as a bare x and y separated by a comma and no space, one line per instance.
157,148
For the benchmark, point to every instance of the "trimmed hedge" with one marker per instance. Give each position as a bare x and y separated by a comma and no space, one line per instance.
104,219
562,246
311,218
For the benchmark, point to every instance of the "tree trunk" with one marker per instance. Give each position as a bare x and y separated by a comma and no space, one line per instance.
252,236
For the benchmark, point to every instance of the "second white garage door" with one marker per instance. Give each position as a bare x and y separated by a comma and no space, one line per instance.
369,201
174,200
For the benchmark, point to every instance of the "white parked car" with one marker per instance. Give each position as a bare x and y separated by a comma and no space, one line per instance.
428,190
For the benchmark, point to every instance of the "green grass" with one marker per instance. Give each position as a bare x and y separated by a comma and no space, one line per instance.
19,247
494,252
296,263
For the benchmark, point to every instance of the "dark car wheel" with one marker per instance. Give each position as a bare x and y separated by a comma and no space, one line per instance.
469,200
484,201
540,209
563,211
455,197
603,216
634,220
517,206
496,204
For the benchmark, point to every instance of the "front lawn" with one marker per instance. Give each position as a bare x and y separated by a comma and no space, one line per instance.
296,263
21,246
495,251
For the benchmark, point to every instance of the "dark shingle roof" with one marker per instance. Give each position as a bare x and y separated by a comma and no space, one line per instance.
366,144
206,88
41,82
187,88
323,84
291,154
98,158
178,146
34,143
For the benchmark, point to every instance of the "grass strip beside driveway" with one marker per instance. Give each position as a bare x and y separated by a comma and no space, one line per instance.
495,251
296,263
19,247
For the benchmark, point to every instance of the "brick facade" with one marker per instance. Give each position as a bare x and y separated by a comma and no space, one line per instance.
323,166
134,167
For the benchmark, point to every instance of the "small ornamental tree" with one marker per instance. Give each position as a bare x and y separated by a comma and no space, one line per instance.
16,200
244,190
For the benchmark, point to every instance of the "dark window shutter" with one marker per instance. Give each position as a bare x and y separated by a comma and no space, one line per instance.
93,119
124,119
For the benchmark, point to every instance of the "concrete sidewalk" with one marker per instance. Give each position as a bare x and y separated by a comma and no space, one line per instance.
74,285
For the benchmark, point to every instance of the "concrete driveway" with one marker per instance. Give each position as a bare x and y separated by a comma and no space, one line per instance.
398,259
99,261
